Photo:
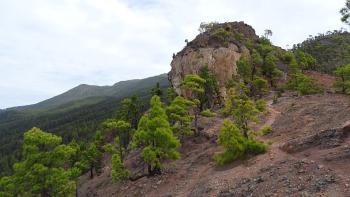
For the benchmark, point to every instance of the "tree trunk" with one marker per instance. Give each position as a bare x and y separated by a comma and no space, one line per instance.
245,133
196,124
271,83
44,193
121,152
149,169
253,73
91,172
76,189
154,171
245,130
343,86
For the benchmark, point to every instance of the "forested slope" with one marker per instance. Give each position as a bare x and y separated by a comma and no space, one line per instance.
74,114
330,50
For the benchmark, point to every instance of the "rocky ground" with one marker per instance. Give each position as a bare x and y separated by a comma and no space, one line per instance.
310,156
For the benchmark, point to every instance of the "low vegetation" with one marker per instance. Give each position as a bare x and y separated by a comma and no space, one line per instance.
297,80
266,130
343,82
235,144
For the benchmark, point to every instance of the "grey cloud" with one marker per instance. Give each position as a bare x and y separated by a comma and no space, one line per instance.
49,46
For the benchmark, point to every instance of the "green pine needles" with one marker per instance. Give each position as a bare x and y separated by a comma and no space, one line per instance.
236,145
155,136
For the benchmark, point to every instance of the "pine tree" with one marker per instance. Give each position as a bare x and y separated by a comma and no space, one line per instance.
211,89
257,61
267,33
270,69
244,69
195,84
131,111
345,12
179,116
343,82
242,109
92,156
304,60
231,138
171,94
156,90
298,81
119,172
236,144
260,87
41,171
122,134
154,135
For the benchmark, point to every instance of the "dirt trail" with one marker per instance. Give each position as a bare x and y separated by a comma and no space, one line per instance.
273,113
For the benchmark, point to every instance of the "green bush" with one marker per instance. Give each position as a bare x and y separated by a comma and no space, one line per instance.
266,130
119,172
307,86
235,144
221,33
260,87
208,113
343,82
269,142
261,105
303,84
255,147
228,156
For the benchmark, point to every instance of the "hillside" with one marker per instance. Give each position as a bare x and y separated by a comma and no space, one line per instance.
308,142
76,113
315,167
330,50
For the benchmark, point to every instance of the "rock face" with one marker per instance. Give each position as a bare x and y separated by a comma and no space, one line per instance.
219,54
325,139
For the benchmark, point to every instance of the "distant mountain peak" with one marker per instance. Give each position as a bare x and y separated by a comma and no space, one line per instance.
85,91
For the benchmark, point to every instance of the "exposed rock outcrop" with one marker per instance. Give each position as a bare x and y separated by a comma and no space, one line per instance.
325,139
219,53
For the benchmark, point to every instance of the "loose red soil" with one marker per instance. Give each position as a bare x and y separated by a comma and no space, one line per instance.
315,171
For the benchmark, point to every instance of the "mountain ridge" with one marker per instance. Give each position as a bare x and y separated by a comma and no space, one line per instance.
85,91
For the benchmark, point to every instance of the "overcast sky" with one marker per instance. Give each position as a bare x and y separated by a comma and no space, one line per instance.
50,46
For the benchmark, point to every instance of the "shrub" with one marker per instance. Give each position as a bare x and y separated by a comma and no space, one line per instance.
261,105
343,81
119,172
307,86
260,87
266,130
208,113
303,84
275,99
235,144
269,142
221,33
255,147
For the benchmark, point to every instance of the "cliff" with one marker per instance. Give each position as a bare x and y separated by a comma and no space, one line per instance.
219,47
